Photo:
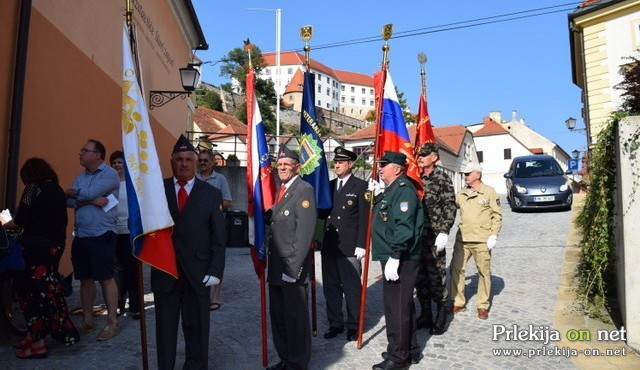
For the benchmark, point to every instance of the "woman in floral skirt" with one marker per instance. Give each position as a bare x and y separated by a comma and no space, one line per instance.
42,215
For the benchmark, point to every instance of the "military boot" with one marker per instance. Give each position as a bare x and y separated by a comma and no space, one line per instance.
440,326
425,320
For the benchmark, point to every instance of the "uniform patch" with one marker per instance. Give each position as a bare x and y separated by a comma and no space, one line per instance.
350,202
305,204
367,196
498,201
286,212
404,206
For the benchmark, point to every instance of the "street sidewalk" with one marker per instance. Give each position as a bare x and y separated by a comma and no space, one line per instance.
569,315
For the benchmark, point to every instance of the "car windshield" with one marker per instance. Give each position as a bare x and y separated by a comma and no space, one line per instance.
537,168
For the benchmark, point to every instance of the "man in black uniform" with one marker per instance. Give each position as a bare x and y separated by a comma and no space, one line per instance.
439,204
397,228
343,246
292,225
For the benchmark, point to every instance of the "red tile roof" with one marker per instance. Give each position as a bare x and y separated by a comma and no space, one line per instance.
210,120
293,58
536,150
449,137
295,85
354,78
490,127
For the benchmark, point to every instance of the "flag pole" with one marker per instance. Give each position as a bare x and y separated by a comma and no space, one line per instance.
263,295
386,35
422,59
306,32
143,322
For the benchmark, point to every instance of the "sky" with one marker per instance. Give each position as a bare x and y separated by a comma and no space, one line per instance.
521,65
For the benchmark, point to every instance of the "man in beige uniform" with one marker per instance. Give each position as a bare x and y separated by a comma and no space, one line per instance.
480,223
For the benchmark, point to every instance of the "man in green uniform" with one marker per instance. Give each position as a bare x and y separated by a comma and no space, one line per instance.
397,227
439,204
480,223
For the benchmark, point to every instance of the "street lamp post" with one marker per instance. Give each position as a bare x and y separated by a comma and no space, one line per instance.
571,125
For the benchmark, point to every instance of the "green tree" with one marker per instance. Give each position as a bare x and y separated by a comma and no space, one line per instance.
236,67
208,99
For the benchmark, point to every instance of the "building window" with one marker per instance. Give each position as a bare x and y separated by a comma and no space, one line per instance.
342,88
319,103
319,77
353,100
342,99
328,91
507,153
327,79
371,103
370,91
353,89
289,70
268,72
328,106
480,156
319,88
363,90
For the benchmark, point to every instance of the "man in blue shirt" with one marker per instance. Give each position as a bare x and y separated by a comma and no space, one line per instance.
93,197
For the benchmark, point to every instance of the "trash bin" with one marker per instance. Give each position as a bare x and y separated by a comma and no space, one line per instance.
237,229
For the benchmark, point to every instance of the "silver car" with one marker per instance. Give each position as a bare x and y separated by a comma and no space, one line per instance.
538,182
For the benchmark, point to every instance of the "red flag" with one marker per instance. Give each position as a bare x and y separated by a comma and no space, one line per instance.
424,131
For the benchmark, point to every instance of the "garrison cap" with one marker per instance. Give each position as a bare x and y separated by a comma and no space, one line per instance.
341,154
393,157
288,153
183,145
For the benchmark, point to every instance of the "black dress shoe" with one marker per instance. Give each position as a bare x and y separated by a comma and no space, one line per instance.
279,366
390,365
333,332
414,360
352,335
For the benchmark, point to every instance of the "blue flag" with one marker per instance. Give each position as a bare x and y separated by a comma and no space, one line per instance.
313,163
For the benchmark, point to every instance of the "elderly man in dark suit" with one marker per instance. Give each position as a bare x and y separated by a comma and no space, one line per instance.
343,246
198,240
292,225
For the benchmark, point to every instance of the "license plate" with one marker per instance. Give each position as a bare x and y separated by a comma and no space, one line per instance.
546,198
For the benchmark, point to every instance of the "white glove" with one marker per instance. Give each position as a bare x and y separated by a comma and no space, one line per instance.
391,269
287,279
359,253
492,241
441,241
375,187
210,280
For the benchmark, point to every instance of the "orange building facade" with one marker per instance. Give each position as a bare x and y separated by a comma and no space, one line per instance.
60,80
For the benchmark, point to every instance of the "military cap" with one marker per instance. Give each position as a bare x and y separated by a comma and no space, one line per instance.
471,166
428,148
288,153
393,157
183,145
341,154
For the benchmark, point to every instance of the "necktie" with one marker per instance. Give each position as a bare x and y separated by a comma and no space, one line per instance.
182,195
339,185
281,193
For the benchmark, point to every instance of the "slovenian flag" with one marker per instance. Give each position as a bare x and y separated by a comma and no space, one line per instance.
150,223
313,163
393,133
261,187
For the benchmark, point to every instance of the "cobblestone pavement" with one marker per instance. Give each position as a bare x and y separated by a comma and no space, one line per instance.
526,268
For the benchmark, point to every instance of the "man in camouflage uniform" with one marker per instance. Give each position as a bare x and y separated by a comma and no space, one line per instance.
397,227
439,215
480,223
